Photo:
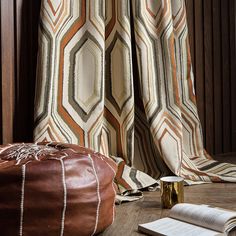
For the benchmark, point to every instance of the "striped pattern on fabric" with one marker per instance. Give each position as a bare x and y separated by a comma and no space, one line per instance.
118,78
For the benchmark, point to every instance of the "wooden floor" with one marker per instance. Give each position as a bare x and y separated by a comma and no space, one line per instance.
129,215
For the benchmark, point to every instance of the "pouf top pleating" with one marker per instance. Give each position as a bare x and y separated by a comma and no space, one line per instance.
55,189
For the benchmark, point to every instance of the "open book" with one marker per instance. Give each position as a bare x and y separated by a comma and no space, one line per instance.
193,220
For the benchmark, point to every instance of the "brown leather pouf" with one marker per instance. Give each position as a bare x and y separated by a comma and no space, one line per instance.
55,189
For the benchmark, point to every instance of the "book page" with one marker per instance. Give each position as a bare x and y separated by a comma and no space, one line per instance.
203,215
173,227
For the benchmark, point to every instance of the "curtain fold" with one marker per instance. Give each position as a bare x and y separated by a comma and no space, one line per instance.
116,76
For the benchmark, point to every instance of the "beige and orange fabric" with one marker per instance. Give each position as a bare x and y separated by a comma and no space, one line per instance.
55,189
116,76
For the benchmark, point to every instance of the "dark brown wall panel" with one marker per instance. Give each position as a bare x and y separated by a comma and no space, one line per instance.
217,72
27,16
232,29
0,82
19,28
225,45
8,69
208,69
212,43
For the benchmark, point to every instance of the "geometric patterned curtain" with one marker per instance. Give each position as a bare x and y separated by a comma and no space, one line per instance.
116,76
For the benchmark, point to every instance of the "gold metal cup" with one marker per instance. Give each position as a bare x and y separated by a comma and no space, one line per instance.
172,191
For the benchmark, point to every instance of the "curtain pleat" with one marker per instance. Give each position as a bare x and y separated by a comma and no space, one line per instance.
116,76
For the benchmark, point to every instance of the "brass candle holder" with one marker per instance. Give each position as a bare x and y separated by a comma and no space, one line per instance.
172,191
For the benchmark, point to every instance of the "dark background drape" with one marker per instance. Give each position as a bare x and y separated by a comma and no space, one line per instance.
212,28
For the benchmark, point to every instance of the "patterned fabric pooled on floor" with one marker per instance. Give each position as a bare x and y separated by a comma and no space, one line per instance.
55,189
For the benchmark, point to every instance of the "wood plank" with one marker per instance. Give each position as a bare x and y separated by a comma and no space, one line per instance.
18,28
21,50
34,20
27,13
225,76
232,31
0,86
8,68
23,88
226,157
199,62
209,129
218,114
